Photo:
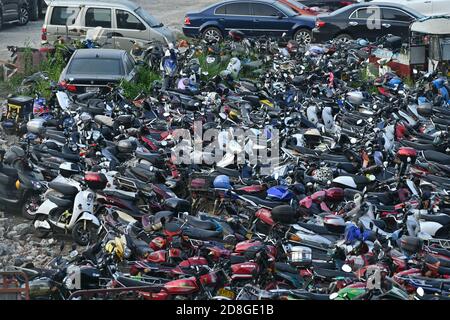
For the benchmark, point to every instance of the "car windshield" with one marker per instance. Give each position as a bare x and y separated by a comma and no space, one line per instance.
95,66
151,20
286,9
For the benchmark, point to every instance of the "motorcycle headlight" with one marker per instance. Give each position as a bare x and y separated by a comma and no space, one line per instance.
36,185
90,197
127,253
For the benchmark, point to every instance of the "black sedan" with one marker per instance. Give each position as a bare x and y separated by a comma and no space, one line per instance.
253,18
94,69
366,21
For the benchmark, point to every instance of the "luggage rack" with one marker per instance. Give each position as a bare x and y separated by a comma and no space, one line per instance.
444,243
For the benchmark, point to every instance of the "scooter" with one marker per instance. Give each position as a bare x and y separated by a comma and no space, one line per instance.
72,209
20,186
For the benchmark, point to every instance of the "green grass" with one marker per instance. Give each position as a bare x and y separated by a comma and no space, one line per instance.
144,83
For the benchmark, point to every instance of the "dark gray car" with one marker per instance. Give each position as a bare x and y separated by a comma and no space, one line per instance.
14,11
91,69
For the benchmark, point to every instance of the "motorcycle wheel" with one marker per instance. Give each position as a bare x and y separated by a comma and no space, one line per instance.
30,205
84,233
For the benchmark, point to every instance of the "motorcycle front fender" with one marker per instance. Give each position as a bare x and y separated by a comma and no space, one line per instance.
46,207
89,217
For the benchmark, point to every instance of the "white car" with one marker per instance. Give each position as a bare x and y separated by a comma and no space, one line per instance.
427,7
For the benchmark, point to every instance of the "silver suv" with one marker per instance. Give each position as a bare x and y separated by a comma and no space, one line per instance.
122,19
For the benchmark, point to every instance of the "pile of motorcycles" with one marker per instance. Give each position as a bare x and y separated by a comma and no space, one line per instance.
357,208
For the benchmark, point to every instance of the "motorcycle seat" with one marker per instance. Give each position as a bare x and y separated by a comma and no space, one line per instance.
440,218
141,174
104,120
64,188
285,267
315,228
436,179
416,145
66,156
128,282
443,262
331,274
59,200
436,157
262,202
119,194
306,295
228,172
384,197
333,157
154,158
201,234
442,121
323,265
201,224
237,259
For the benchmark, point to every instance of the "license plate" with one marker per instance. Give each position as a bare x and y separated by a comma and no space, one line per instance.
92,89
226,293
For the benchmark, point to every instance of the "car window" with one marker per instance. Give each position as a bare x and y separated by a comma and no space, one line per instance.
98,17
264,10
127,20
239,9
365,13
221,10
396,15
95,66
63,15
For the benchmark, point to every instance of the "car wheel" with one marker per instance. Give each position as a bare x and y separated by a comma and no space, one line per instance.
343,38
212,34
303,36
24,16
33,9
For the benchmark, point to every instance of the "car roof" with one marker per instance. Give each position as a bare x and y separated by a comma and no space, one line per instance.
122,4
264,1
377,3
99,53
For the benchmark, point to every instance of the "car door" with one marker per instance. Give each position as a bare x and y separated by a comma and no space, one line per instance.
396,22
11,10
268,20
98,17
128,28
63,21
235,15
364,23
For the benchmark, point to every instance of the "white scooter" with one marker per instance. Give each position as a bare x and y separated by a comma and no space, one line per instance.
71,208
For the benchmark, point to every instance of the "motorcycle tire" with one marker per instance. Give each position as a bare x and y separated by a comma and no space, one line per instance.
84,234
29,201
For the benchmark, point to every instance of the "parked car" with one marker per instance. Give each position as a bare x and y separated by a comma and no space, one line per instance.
37,9
427,7
124,19
329,5
362,20
253,18
91,70
14,11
